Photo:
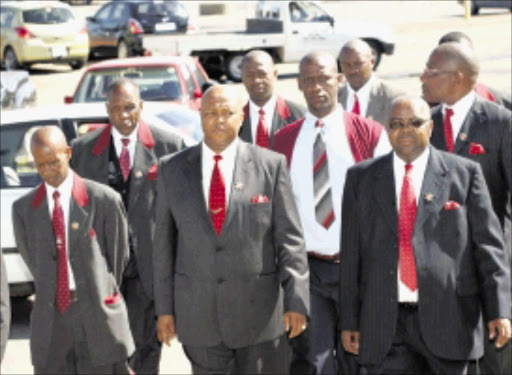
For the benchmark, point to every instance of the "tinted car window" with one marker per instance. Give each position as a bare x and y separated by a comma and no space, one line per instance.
155,83
119,13
198,74
189,81
104,13
166,8
6,17
47,15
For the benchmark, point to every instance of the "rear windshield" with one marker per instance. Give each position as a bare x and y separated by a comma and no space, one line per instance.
155,83
47,15
161,9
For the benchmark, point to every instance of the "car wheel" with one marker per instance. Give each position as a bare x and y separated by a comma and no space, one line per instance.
77,64
376,52
10,60
122,49
234,66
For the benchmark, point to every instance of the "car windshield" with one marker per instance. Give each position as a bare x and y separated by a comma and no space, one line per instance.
187,121
47,15
155,83
161,9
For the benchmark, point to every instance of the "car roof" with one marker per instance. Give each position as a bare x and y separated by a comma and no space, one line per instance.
34,4
140,61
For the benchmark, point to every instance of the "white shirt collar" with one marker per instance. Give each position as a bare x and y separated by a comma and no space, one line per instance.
229,152
463,105
268,107
420,163
64,188
364,91
118,136
330,120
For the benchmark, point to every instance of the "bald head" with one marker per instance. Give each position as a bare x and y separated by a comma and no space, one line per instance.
319,57
224,92
457,37
259,76
462,58
51,154
419,106
122,84
357,45
259,56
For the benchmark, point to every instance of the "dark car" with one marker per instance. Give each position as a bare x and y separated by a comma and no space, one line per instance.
117,27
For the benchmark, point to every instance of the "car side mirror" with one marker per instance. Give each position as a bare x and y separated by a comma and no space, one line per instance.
90,19
331,20
198,94
68,99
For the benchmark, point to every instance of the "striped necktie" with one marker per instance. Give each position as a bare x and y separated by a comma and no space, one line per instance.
324,209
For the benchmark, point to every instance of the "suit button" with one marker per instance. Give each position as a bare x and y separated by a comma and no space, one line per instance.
218,248
392,272
54,256
220,280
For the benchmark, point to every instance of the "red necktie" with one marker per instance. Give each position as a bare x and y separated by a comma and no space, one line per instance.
324,208
217,197
262,137
448,131
62,296
406,220
356,108
124,159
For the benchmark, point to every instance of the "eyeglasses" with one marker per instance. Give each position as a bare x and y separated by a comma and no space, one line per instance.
435,72
415,123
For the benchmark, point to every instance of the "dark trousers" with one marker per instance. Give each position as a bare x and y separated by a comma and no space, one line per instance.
141,314
270,357
325,351
495,361
410,355
69,353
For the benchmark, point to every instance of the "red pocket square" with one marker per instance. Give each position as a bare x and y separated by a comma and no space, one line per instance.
92,233
152,173
476,149
451,205
259,199
114,298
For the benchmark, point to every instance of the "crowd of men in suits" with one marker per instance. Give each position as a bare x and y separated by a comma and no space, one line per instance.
365,234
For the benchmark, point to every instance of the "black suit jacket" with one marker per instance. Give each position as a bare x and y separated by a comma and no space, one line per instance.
285,112
462,272
489,125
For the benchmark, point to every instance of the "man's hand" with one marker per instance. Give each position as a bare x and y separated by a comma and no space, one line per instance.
165,329
504,331
294,323
350,341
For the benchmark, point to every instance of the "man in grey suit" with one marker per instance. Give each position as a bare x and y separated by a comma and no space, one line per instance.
423,262
230,268
364,94
266,112
470,126
100,156
5,308
72,233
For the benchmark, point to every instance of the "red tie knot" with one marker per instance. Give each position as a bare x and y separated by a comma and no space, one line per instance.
319,124
408,168
217,158
56,195
125,141
261,112
449,112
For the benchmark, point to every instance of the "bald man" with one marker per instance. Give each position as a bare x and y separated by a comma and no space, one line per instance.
230,270
423,262
72,233
479,130
266,112
363,93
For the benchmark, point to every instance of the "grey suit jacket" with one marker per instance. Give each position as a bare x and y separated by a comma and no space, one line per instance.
5,308
379,105
285,112
90,157
232,288
489,125
462,271
98,252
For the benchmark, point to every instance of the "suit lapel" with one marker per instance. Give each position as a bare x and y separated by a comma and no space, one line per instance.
437,134
43,220
386,183
143,159
245,130
376,103
342,97
98,164
473,119
243,163
77,213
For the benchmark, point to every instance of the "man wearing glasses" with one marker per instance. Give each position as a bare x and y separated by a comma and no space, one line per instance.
420,272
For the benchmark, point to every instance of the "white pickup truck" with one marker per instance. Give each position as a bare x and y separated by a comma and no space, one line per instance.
285,29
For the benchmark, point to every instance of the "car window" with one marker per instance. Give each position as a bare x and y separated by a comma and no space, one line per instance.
155,83
6,17
119,13
47,15
189,80
104,13
167,8
197,74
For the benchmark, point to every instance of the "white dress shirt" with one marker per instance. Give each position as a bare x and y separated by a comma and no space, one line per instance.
339,156
460,111
226,166
254,113
118,143
363,94
419,165
64,189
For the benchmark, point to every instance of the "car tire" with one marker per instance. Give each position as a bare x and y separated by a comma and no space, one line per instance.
77,64
122,49
10,60
233,66
376,52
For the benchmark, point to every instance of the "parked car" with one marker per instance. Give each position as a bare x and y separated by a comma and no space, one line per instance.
476,5
176,79
41,32
17,90
18,174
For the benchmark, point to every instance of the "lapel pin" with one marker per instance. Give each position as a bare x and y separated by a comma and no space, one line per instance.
138,174
58,241
238,186
75,225
463,136
429,197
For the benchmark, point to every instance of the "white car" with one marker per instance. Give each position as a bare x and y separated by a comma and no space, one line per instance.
18,174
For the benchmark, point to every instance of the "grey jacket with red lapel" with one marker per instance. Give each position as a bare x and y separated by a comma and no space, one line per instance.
232,288
462,269
363,136
285,112
90,159
98,252
488,125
